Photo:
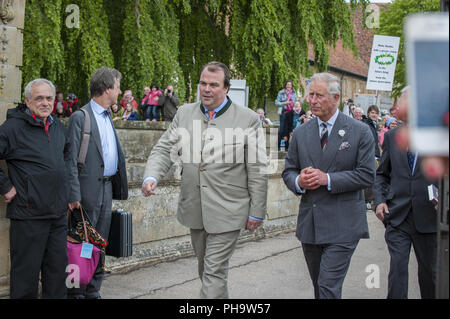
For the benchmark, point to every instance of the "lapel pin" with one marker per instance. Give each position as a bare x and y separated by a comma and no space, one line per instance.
341,133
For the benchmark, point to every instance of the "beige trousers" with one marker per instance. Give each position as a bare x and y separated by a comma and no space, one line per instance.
213,253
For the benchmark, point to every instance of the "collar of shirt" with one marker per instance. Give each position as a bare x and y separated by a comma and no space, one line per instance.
330,122
97,108
50,118
217,109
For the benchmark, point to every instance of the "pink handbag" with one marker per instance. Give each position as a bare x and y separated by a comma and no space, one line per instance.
86,266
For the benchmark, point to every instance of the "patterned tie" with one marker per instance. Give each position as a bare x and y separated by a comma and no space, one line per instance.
411,158
210,115
107,113
324,136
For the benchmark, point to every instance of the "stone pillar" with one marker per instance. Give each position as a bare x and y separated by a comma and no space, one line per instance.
12,14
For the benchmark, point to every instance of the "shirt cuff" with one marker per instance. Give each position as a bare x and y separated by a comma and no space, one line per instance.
255,218
298,188
150,178
329,182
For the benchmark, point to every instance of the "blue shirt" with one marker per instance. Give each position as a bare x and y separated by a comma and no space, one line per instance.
107,138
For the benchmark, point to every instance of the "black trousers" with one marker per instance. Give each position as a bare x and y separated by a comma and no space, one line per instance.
38,247
399,240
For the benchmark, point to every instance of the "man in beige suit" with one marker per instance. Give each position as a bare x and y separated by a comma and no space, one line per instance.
224,178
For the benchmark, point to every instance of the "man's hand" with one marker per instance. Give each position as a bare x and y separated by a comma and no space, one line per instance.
312,178
381,209
252,224
9,196
148,188
74,205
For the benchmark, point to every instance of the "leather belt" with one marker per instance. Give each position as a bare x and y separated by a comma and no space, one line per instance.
107,179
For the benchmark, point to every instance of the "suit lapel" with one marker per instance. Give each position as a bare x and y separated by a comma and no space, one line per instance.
95,134
334,141
312,143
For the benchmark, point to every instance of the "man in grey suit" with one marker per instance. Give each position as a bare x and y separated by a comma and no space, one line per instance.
103,177
224,182
401,198
329,163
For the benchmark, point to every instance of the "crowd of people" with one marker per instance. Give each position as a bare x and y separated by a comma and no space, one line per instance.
292,114
154,105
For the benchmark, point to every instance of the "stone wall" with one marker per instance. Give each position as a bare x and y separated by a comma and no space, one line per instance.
11,38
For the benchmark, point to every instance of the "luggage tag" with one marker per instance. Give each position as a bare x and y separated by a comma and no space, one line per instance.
86,250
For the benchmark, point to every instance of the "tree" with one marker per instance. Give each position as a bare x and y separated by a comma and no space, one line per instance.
391,24
270,40
203,37
87,47
150,46
43,54
168,41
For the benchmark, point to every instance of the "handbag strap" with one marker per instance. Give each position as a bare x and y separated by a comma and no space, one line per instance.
84,224
86,134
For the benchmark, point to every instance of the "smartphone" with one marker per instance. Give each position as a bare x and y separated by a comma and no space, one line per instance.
427,67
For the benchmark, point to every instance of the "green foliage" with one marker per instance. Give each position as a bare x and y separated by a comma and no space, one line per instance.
43,49
87,47
391,24
202,38
150,47
168,41
270,40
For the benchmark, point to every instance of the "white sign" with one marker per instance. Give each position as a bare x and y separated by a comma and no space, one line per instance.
382,63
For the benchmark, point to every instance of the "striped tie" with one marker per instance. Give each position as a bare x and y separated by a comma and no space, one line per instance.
324,136
210,115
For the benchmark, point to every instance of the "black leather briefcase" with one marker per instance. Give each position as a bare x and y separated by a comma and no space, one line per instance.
120,240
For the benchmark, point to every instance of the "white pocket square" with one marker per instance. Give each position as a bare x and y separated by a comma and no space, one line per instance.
344,146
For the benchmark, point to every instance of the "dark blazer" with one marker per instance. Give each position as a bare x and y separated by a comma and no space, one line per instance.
402,190
339,215
86,187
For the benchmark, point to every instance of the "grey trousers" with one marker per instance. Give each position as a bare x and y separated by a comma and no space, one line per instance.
328,265
213,253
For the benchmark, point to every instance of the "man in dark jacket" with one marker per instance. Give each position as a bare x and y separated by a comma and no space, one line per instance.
402,204
169,103
104,176
33,143
372,121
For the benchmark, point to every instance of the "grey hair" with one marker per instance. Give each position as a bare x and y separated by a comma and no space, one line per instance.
334,84
29,87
